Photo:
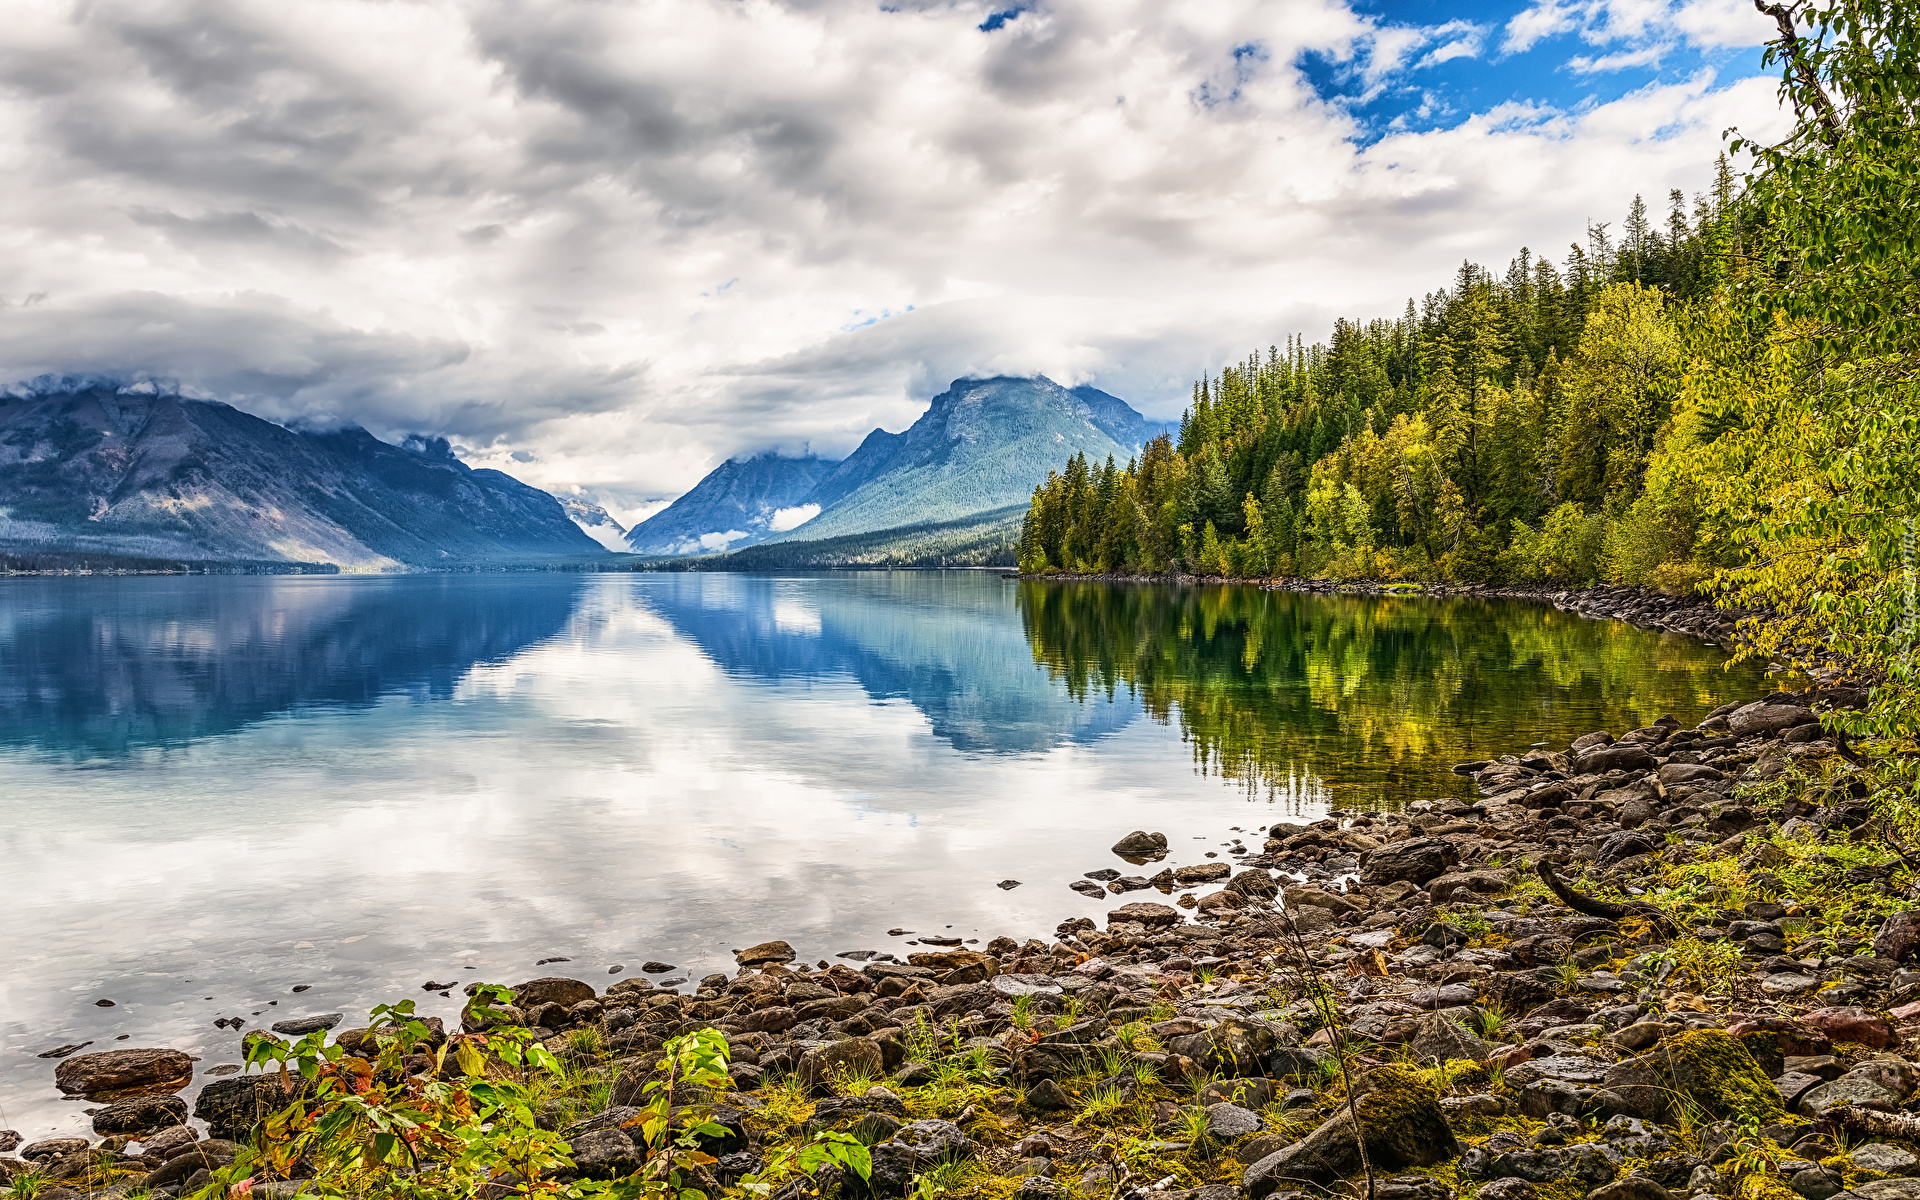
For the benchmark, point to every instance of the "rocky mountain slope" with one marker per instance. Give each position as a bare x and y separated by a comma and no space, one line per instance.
739,503
981,445
94,466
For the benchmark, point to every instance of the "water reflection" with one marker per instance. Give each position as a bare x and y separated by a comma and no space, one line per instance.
100,668
948,643
1370,698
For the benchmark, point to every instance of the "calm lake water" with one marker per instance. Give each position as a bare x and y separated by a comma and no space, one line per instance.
217,789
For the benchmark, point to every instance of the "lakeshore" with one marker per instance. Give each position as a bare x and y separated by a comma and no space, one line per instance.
1706,988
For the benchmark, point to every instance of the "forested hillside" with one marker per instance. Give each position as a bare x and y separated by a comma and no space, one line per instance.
1721,400
1502,428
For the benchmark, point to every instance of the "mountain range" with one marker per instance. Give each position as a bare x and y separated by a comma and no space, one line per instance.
92,466
982,445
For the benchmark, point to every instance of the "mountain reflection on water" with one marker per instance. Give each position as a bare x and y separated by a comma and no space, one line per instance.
101,667
949,643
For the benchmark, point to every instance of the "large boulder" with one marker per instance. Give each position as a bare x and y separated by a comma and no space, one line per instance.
1417,861
1439,1038
1623,757
1463,885
1404,1127
819,1065
1763,718
231,1107
1852,1024
552,990
1233,1047
115,1071
1146,913
1141,844
1899,937
1710,1066
765,954
140,1114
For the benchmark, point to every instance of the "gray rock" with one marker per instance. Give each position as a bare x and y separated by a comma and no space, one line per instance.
1569,1068
1850,1088
819,1064
1592,1163
1882,1159
1761,718
1417,1137
1630,1187
1229,1121
1140,844
1815,1183
1878,1189
1026,985
1508,1189
122,1070
928,1140
1788,983
1417,861
605,1153
140,1114
299,1026
1440,1039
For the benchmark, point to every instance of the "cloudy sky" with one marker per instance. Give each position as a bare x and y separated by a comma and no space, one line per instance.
606,244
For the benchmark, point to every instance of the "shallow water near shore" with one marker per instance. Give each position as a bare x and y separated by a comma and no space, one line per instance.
218,789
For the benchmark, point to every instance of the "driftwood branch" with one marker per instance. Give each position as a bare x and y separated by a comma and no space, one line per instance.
1867,1122
1582,903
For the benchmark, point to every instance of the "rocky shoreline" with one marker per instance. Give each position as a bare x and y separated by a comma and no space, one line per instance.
1675,962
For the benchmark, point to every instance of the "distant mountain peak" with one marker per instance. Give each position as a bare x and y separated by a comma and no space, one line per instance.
981,445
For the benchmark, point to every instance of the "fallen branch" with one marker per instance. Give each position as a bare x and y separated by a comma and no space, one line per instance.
1855,1119
1581,903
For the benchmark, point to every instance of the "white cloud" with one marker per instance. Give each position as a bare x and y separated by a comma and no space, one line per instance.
792,518
632,240
720,541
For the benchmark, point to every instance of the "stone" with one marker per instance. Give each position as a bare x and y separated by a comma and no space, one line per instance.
1852,1088
819,1065
1229,1121
1788,983
605,1154
1259,1146
1508,1189
1674,774
1602,759
1630,1187
1048,1096
1012,986
1874,1189
1144,912
1401,1121
1899,937
139,1114
1464,885
1140,844
1440,1039
777,1019
123,1071
1882,1159
1201,872
551,990
231,1107
1853,1025
765,954
1816,1183
1763,718
1641,1035
1086,887
1231,1048
166,1141
928,1140
1628,843
300,1026
1417,861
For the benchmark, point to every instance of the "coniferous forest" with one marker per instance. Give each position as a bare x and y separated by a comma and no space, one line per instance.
1719,399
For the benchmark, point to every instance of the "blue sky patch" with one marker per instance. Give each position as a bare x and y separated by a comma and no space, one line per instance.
1437,63
997,19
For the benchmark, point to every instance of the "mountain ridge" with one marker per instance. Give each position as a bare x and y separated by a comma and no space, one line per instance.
980,446
89,464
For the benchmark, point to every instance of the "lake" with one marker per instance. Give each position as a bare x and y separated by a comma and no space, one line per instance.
219,789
